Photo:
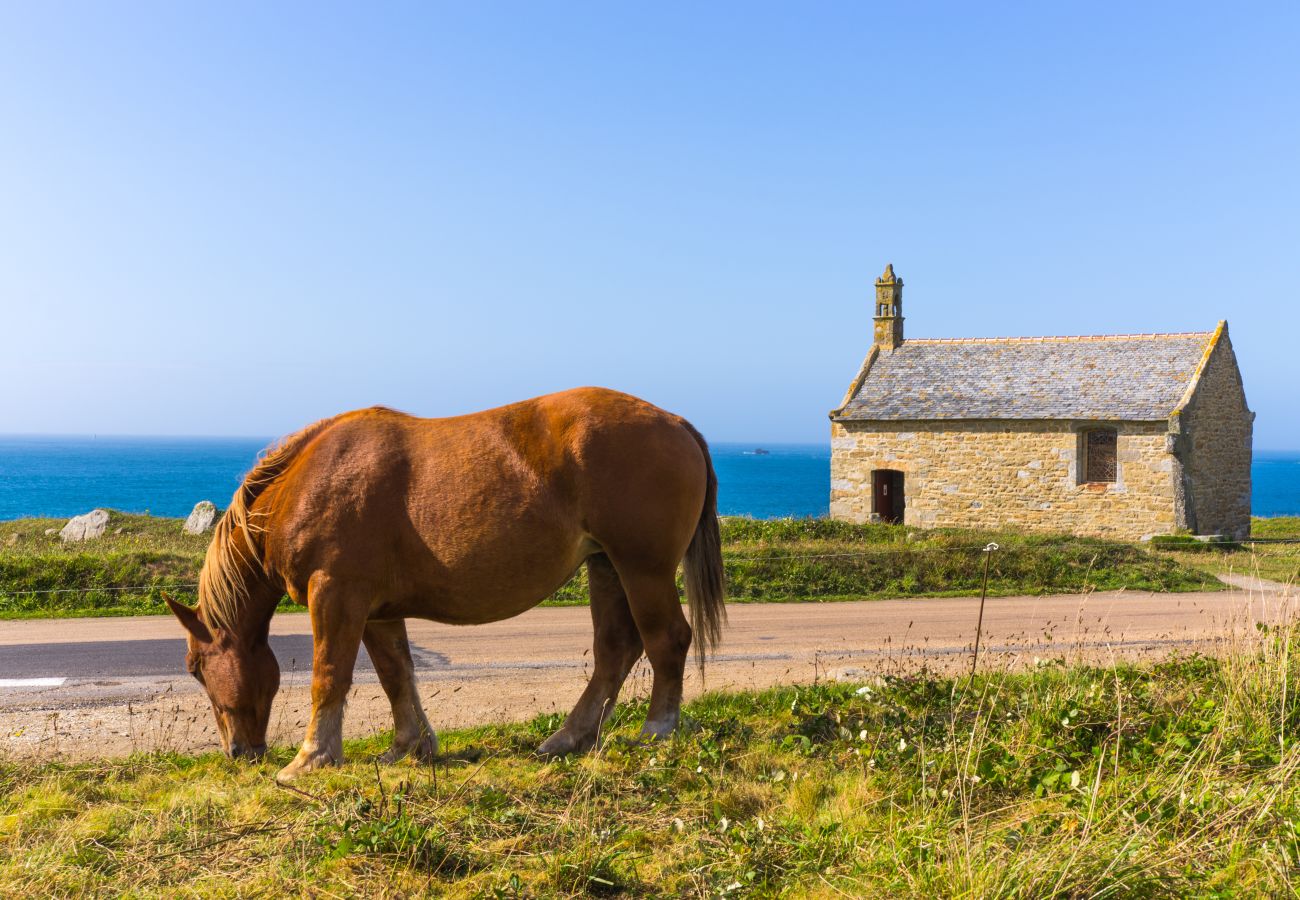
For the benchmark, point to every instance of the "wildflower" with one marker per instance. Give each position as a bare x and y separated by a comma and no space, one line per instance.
902,744
759,824
723,824
862,735
1075,778
679,826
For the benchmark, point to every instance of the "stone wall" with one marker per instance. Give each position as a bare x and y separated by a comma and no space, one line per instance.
1213,437
1001,474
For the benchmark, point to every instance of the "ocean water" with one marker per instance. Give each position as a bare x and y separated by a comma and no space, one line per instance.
63,476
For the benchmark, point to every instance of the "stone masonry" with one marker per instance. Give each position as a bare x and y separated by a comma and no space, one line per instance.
1002,474
1212,435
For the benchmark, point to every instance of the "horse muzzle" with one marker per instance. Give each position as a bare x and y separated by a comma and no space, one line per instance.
246,751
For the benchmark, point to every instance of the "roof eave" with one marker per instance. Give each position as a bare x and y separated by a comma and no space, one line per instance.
872,354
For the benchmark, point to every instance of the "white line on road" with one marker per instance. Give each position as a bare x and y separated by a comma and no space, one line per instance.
31,682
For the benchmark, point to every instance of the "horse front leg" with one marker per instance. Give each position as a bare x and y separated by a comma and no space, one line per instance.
337,627
390,651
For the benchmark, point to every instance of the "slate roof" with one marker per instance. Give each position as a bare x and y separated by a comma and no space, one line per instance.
1132,377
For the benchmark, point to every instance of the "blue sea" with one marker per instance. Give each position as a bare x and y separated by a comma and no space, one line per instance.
63,476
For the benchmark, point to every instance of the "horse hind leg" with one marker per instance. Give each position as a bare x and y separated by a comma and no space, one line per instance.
657,609
617,647
390,651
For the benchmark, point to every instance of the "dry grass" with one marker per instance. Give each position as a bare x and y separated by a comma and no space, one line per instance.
1168,780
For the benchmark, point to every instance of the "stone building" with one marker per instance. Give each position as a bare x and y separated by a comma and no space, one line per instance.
1124,436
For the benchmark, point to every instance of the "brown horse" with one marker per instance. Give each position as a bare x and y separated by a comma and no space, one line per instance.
374,516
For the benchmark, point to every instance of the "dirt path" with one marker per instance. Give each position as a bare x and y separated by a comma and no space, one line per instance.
105,687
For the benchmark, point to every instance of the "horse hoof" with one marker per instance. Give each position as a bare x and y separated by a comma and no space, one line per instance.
564,744
304,762
657,731
424,750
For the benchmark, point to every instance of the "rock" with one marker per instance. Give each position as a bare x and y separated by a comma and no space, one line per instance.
202,518
86,526
50,531
118,530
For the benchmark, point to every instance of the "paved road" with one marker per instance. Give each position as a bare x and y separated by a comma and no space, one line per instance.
107,686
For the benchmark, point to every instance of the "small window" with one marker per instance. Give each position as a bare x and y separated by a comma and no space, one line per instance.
1099,455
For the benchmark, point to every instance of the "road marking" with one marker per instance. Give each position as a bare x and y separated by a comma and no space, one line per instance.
31,682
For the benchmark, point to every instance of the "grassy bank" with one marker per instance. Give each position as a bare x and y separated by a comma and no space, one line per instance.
126,571
1173,780
1275,562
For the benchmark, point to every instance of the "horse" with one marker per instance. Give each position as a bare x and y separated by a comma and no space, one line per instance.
375,516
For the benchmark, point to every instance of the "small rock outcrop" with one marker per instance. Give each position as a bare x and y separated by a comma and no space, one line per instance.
202,518
86,526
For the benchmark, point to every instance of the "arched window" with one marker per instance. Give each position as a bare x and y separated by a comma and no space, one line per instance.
1099,455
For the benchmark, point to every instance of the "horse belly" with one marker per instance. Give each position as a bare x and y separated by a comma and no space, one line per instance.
483,567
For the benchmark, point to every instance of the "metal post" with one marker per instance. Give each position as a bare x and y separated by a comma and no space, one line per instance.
984,590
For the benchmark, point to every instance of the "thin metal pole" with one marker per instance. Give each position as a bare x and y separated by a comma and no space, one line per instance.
984,591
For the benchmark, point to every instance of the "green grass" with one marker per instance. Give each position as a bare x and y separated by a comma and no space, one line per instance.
126,571
1274,562
1175,779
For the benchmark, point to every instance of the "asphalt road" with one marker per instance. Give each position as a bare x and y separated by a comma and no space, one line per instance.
85,687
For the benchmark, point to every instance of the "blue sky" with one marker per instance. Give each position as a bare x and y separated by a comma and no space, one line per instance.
232,219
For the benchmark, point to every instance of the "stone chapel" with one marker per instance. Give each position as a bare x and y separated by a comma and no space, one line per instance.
1125,436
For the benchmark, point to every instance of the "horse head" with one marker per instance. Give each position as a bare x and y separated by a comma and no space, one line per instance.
239,673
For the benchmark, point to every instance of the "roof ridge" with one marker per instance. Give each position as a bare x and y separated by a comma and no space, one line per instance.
1154,335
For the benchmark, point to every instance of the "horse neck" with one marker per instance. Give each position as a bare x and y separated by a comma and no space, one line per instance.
258,592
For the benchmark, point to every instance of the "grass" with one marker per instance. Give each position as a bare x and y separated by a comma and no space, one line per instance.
1175,779
126,571
1274,562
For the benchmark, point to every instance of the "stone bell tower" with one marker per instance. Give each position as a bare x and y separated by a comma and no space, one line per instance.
889,310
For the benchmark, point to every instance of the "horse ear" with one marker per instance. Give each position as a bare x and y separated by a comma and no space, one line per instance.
190,619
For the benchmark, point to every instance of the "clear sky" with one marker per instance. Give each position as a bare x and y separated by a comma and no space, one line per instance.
234,219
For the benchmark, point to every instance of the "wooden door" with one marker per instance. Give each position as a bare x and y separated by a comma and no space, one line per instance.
887,488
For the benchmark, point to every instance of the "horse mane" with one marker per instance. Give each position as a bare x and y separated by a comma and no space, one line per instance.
222,587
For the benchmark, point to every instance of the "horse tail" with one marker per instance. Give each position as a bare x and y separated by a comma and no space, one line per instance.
705,582
234,554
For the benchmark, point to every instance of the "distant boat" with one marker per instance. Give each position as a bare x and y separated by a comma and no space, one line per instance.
759,451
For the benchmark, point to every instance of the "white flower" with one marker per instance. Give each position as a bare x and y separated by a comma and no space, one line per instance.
724,823
862,735
1075,779
679,826
759,824
902,745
